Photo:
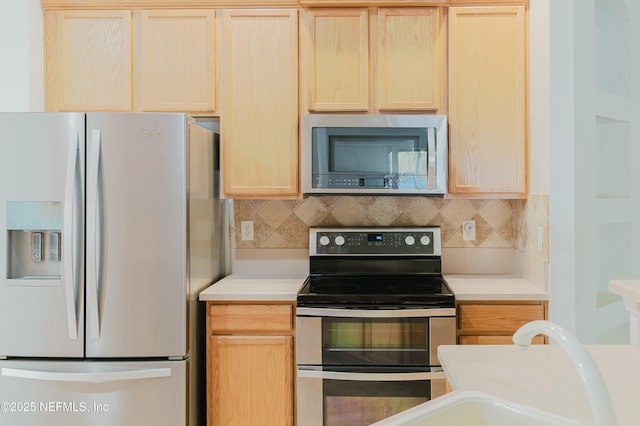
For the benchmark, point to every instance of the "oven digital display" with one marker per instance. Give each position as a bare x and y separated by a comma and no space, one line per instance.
374,237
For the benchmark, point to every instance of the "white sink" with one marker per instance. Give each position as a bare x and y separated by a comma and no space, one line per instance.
471,408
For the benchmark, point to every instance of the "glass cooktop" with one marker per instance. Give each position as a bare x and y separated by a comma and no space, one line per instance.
404,291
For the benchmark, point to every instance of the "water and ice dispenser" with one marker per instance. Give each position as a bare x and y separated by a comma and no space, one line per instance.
34,243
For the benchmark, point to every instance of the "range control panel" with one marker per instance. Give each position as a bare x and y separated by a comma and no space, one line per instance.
422,241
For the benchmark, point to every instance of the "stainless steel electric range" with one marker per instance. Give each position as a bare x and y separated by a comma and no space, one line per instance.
369,319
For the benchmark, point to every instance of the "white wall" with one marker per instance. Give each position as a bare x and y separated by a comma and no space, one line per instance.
21,44
562,307
539,100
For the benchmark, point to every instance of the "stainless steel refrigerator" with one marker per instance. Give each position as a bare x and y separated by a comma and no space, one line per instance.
110,226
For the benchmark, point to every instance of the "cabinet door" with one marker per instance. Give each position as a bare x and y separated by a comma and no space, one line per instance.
88,60
410,58
338,62
259,123
250,380
487,101
174,60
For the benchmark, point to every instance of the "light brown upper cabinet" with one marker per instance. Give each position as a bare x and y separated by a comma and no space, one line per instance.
174,60
119,60
410,59
88,60
403,71
259,120
338,59
487,102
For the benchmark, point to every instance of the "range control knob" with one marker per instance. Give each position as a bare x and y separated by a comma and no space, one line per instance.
339,240
409,240
425,240
324,241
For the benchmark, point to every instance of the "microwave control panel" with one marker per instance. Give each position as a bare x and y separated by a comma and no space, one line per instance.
347,181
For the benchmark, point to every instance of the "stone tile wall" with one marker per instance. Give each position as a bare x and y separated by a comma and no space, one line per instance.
499,223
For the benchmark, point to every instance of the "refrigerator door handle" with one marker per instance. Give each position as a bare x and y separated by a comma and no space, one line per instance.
100,377
68,247
93,237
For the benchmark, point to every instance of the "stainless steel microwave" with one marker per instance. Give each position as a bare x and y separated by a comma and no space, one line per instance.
374,154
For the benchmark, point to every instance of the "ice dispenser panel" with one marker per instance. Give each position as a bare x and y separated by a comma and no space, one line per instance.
34,242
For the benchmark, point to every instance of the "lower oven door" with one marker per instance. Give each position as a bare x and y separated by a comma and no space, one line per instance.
337,398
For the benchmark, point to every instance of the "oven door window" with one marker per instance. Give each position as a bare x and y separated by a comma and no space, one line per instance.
356,403
379,342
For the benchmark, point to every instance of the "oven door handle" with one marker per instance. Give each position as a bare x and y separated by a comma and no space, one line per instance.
375,313
371,377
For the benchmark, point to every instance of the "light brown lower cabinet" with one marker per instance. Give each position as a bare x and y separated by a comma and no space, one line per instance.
494,322
250,365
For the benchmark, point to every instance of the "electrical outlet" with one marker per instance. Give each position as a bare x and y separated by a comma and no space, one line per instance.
468,230
246,230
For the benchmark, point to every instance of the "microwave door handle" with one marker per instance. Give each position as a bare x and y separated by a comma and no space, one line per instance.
371,377
431,153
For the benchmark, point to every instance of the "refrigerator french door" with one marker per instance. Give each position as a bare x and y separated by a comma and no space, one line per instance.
111,228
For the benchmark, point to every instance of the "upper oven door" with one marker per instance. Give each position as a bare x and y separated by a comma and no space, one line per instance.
372,337
374,154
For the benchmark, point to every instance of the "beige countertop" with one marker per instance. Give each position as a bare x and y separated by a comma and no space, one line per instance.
543,377
473,287
239,287
286,287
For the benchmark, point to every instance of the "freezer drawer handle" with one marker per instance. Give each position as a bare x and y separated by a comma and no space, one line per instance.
104,377
68,258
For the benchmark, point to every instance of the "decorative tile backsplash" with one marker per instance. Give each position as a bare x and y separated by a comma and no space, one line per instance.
499,223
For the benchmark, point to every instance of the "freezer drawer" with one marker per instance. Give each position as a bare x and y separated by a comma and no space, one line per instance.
72,393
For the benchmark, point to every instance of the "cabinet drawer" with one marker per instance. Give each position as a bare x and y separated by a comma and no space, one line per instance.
495,340
228,318
496,318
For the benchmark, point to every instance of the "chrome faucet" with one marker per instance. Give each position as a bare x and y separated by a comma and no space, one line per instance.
597,392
